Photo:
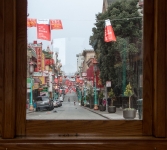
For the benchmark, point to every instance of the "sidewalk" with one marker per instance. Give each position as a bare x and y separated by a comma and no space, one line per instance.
118,115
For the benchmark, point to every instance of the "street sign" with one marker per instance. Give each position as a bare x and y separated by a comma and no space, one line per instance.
84,74
108,83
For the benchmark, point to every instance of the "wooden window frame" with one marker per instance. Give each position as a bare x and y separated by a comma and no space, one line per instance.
13,59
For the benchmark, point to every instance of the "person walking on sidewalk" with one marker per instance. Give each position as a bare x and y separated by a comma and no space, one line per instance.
74,102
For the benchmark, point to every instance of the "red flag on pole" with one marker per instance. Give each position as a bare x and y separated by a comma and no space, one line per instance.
31,22
109,32
55,24
43,29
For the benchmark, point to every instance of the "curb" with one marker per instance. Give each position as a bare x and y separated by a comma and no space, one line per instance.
29,112
96,112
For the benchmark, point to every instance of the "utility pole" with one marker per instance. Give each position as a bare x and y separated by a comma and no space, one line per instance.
124,67
106,97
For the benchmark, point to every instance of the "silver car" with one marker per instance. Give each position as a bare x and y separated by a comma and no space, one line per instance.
57,103
43,102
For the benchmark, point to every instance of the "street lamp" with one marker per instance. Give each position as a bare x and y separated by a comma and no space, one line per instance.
31,69
58,85
80,70
95,92
78,90
85,93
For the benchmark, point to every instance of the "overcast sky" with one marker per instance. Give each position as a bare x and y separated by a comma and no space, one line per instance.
78,18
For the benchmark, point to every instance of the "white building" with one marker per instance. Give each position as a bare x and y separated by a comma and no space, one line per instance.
80,59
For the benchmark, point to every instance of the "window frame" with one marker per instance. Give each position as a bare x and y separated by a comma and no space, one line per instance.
14,39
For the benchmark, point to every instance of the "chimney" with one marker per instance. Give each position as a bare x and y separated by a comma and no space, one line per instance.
35,42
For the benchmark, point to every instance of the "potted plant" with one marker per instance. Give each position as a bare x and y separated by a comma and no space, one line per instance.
129,113
111,108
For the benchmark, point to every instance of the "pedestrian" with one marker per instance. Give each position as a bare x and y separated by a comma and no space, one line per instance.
74,102
68,99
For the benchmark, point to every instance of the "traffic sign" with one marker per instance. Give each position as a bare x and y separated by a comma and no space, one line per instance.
108,83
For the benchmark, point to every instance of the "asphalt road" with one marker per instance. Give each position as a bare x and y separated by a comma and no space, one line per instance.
68,111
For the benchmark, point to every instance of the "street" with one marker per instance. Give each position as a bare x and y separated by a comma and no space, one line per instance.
68,111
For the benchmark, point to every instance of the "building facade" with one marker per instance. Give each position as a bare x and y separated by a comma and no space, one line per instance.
87,54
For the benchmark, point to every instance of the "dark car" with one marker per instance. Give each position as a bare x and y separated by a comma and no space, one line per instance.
57,103
43,102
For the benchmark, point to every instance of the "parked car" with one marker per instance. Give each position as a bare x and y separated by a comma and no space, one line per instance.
57,103
61,98
43,102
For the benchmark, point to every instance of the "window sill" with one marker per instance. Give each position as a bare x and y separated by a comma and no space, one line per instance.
84,142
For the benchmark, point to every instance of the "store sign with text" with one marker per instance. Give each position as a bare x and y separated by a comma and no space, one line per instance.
84,74
39,58
43,29
55,24
37,74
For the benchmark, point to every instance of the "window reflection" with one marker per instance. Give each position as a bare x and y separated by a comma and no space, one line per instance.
88,67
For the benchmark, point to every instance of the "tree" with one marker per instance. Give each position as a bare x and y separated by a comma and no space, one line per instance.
128,92
127,25
112,96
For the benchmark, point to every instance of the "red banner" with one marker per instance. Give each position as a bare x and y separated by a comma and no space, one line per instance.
31,22
39,57
108,32
56,24
98,80
49,61
90,73
43,29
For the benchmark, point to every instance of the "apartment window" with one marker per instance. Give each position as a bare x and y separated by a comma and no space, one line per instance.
14,120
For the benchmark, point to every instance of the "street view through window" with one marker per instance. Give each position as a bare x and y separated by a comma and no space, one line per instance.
84,59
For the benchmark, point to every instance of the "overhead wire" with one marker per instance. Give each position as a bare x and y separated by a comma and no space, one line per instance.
129,18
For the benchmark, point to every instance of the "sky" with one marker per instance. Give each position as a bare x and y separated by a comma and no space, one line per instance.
78,18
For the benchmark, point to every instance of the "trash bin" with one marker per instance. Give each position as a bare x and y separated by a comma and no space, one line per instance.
140,108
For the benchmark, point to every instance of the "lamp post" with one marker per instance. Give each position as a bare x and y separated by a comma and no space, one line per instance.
95,92
85,92
78,90
80,70
124,68
58,85
79,94
31,69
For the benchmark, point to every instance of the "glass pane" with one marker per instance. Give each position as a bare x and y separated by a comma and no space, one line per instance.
85,58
